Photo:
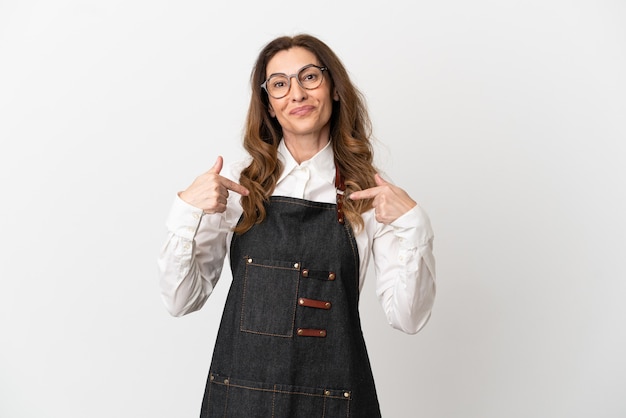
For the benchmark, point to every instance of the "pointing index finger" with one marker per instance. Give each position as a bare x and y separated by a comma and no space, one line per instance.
235,187
364,194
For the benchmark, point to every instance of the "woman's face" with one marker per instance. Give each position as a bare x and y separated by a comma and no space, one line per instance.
301,112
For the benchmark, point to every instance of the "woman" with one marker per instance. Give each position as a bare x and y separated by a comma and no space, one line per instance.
300,220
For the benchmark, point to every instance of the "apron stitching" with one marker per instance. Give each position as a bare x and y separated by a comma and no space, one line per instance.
243,298
356,259
226,402
267,333
284,392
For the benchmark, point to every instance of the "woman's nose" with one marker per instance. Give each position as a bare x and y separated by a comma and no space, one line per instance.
297,91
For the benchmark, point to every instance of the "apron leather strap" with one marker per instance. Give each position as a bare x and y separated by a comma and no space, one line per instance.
341,189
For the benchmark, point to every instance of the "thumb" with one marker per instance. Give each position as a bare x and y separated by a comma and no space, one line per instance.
379,180
217,167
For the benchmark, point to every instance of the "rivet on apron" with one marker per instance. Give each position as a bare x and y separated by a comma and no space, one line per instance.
211,378
331,276
305,273
226,381
296,265
327,392
346,394
249,260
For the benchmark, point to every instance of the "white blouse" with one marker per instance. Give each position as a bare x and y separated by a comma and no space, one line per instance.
192,258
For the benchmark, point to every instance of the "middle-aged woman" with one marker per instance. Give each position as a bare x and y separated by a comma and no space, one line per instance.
308,213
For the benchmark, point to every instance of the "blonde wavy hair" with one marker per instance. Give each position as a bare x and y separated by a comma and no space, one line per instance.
350,130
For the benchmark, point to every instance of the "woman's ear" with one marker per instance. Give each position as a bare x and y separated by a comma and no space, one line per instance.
271,110
335,95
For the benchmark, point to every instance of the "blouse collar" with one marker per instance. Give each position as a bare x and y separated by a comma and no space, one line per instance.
322,163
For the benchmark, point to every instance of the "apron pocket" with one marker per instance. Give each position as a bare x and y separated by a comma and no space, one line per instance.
269,297
237,398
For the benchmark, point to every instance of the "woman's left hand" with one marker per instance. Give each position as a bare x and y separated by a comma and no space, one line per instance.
390,202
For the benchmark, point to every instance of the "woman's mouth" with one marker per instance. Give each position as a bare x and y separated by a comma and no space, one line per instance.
301,110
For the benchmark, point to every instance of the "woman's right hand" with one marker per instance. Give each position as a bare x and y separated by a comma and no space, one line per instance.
209,191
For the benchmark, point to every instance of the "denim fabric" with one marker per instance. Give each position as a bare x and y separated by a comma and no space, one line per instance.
241,398
262,366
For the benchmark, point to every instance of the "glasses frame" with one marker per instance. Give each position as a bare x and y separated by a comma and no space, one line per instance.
289,77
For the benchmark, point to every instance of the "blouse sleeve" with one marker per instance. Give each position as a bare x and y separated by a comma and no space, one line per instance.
405,270
192,258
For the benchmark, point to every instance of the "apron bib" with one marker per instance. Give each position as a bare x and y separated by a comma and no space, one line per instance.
290,342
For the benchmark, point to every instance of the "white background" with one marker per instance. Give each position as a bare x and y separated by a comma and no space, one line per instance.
504,119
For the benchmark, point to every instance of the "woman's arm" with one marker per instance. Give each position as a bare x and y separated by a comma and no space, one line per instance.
201,218
192,258
405,270
402,248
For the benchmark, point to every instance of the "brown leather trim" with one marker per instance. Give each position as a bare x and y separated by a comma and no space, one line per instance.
311,332
341,189
312,303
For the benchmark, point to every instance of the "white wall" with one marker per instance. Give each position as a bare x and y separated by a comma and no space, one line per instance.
504,119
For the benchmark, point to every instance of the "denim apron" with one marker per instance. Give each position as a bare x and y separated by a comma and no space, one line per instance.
290,342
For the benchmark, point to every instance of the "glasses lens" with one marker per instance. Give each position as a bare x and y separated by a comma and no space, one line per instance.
310,77
278,86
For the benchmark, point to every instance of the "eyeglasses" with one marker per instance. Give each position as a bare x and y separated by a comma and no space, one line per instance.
309,77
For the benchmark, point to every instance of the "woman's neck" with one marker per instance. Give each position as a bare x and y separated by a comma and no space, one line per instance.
303,148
